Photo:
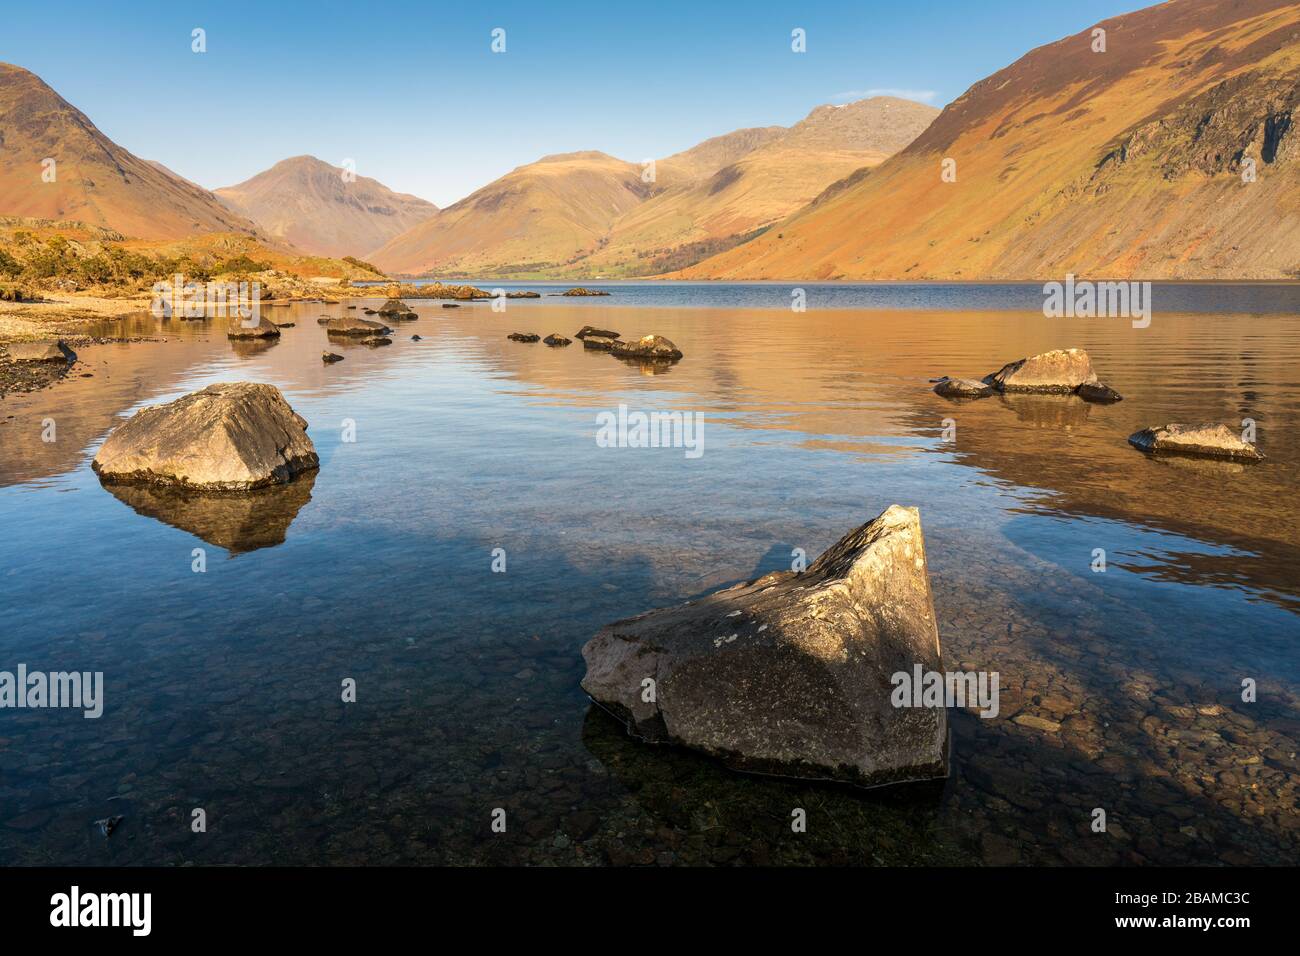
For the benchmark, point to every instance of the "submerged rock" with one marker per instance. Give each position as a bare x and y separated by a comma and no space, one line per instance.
587,330
523,337
40,352
963,388
580,290
791,673
233,436
598,342
264,329
652,347
349,325
1204,441
555,339
1060,370
328,357
523,295
451,305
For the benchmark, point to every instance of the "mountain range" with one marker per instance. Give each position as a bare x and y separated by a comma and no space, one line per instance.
588,213
1172,154
1158,144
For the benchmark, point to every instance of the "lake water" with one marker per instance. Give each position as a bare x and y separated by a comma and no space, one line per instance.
222,688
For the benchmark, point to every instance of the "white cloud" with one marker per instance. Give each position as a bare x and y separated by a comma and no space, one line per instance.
921,96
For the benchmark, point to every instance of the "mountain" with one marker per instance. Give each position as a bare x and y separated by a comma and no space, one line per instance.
308,203
583,214
95,180
723,205
538,215
1130,162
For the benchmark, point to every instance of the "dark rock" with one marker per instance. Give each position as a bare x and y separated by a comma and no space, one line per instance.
963,388
451,305
1097,392
587,330
351,326
791,673
523,336
107,825
598,342
555,338
583,291
328,357
648,347
264,329
523,295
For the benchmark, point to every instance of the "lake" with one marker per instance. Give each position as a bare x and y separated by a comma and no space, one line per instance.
222,688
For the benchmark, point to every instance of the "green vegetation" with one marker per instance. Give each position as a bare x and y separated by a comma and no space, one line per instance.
43,262
362,264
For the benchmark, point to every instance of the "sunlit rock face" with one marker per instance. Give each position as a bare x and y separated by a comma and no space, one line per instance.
1060,370
791,673
233,436
1203,441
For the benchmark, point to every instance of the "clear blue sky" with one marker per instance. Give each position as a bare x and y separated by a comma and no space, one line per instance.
412,92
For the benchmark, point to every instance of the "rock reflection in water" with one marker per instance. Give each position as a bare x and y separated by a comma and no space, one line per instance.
1048,411
237,522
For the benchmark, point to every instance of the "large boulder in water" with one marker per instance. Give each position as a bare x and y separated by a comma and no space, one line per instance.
233,436
352,327
263,328
1204,441
791,673
1060,370
654,348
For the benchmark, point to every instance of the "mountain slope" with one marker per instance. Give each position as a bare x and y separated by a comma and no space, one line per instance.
541,214
583,214
96,181
307,203
763,186
1127,162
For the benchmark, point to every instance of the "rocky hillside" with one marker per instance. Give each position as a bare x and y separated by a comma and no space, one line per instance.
312,206
1173,154
94,180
